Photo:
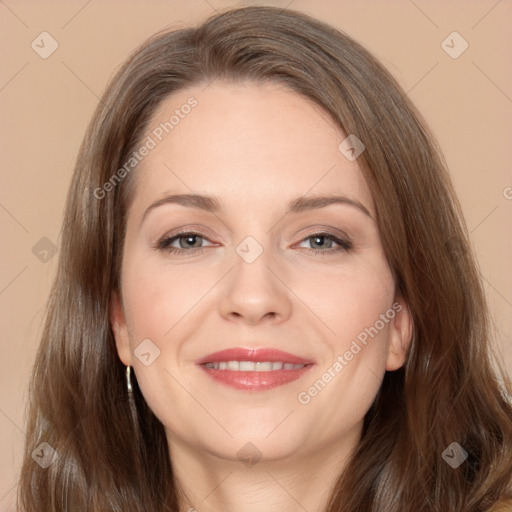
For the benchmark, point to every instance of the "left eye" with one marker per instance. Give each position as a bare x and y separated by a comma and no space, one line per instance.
320,238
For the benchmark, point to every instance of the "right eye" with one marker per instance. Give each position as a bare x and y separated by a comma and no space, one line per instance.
183,238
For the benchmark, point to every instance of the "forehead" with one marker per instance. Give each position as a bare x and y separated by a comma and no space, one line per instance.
241,141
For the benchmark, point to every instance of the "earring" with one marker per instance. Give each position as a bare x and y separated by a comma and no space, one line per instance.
131,399
128,379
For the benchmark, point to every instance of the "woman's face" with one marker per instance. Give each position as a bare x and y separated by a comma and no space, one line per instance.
270,267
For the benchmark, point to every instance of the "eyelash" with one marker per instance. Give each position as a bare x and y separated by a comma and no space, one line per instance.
164,243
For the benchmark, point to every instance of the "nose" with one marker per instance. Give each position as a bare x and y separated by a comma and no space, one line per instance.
256,292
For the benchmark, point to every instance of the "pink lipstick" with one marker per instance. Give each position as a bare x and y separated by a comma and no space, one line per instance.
254,369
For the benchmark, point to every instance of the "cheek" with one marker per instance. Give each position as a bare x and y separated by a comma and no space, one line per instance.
357,307
157,298
350,300
159,304
346,384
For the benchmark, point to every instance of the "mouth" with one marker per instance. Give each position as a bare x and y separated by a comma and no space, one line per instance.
254,369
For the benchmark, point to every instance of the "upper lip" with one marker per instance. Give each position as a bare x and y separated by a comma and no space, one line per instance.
271,355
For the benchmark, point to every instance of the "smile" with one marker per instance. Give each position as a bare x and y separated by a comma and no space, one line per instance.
254,369
251,366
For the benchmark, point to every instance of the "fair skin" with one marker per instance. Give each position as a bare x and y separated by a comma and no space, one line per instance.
255,147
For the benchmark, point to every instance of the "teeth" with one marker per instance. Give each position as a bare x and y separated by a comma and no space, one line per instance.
233,365
251,366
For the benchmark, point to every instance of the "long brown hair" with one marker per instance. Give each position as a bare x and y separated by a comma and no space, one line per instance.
447,391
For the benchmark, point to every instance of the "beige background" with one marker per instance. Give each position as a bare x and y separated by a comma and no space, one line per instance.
46,104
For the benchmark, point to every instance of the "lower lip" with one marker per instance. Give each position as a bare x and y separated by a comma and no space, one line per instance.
256,381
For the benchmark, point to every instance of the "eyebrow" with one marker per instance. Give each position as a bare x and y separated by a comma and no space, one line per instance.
213,205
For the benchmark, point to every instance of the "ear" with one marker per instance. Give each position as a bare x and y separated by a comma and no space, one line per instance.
120,329
401,327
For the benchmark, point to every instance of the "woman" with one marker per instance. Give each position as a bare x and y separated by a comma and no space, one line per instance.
251,370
